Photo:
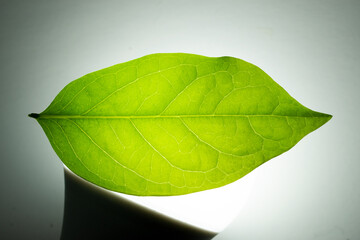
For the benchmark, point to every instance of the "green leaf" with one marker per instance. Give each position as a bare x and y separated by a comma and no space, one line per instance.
171,124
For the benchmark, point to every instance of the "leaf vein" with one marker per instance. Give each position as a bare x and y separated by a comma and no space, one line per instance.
208,144
132,82
115,160
157,151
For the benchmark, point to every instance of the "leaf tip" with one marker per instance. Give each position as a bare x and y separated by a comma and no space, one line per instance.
34,115
325,118
328,117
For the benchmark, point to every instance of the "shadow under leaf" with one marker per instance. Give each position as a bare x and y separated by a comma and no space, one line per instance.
93,213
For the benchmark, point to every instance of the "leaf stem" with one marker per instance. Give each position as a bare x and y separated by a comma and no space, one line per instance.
34,115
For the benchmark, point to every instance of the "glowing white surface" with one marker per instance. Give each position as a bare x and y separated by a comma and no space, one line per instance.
211,210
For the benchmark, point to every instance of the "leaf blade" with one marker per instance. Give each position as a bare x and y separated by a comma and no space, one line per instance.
170,124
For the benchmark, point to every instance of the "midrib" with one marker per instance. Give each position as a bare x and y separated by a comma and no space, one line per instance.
47,116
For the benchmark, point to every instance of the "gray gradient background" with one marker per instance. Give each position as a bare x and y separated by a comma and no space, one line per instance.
311,48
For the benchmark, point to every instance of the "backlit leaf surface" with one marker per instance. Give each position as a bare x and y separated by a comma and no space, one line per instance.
170,124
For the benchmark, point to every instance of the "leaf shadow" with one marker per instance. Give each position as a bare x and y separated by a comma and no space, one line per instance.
93,213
